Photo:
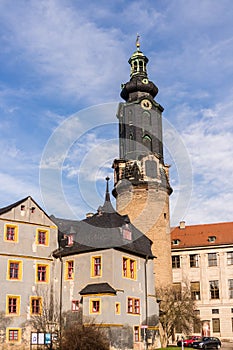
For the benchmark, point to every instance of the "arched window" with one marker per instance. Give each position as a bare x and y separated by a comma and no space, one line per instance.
140,66
147,142
146,119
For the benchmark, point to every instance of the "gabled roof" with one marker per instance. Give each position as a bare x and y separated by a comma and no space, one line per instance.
16,204
103,230
206,235
97,288
11,206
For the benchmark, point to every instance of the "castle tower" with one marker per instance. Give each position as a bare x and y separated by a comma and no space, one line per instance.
141,178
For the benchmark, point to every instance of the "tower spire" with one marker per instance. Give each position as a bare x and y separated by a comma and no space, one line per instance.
138,42
107,195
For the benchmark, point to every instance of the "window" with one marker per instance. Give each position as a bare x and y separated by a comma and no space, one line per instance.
129,268
212,259
42,273
229,258
94,306
136,334
196,325
230,288
69,273
96,268
176,241
13,305
75,305
35,305
194,260
195,290
13,334
177,290
70,239
175,261
133,306
117,308
215,311
216,325
42,237
147,142
14,270
214,290
11,233
127,234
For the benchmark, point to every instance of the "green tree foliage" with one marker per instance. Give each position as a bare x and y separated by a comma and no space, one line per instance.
177,312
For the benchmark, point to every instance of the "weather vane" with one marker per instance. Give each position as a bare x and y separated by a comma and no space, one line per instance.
137,42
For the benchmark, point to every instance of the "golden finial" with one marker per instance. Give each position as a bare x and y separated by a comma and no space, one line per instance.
137,42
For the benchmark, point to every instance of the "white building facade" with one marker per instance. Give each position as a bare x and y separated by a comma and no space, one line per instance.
202,257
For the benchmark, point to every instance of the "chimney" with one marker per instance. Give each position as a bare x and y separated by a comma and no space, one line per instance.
182,225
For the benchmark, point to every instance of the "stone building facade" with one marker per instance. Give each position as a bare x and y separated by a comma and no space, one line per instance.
202,256
27,274
108,275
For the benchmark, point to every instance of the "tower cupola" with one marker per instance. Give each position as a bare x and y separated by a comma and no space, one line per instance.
139,85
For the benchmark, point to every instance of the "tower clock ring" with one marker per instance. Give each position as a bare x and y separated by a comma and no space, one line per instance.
146,104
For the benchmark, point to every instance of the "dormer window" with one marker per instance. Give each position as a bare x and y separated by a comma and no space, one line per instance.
126,233
176,242
70,239
212,238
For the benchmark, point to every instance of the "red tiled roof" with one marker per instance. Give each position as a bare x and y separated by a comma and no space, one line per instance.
198,235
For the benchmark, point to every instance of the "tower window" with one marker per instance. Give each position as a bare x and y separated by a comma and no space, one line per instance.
140,66
147,142
151,168
131,142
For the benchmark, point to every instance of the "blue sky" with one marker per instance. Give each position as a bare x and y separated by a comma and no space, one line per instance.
62,65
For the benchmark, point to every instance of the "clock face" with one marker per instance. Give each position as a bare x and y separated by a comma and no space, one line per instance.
146,104
145,81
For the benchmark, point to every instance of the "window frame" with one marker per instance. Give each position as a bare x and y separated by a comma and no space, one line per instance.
37,299
20,270
69,270
75,305
136,333
46,233
96,267
15,305
129,268
133,306
46,280
194,260
214,289
16,230
195,291
13,329
91,306
216,325
229,258
117,308
230,288
212,260
176,262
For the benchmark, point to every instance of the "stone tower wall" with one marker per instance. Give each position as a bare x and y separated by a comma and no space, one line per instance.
148,210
